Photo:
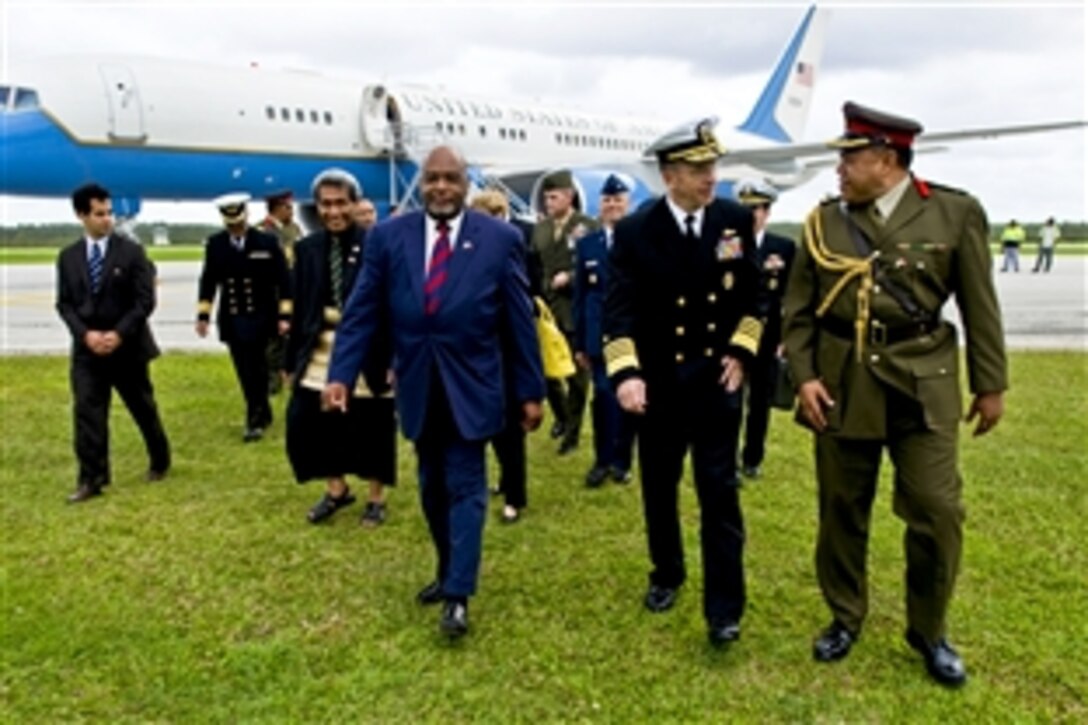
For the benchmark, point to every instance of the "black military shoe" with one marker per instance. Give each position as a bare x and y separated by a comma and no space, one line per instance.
660,599
252,435
454,621
942,661
834,643
558,430
620,475
430,594
567,447
596,476
751,472
722,633
85,492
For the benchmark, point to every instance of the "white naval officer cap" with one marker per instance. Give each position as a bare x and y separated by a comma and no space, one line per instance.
693,142
755,192
232,207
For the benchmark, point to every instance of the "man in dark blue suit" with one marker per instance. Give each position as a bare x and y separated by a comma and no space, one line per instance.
613,430
774,254
449,287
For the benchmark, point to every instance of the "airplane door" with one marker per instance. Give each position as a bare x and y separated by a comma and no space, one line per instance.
381,119
126,112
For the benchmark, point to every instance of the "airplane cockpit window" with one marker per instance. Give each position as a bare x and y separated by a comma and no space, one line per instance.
25,98
4,93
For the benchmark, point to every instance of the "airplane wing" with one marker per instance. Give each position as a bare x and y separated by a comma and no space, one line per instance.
812,153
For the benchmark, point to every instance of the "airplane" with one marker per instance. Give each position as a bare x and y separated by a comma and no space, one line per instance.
153,128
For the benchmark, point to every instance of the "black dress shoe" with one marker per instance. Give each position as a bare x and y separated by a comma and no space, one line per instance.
723,632
567,447
430,594
620,475
942,661
834,643
558,430
252,434
454,621
752,472
596,476
85,492
660,599
328,505
154,476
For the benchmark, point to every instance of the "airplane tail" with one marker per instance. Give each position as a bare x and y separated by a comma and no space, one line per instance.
782,110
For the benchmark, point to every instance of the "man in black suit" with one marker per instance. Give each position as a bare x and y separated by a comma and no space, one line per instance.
249,269
681,325
774,254
105,293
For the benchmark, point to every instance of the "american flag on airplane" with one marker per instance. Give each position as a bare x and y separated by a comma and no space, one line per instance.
805,74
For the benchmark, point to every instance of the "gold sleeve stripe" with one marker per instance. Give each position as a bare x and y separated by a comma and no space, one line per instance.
286,307
748,334
619,354
204,307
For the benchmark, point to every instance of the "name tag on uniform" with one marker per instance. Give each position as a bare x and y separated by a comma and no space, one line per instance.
260,255
729,246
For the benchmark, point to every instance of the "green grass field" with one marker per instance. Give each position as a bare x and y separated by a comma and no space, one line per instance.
208,598
48,255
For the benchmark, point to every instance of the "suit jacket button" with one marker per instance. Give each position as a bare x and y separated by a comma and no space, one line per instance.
679,357
680,302
711,327
680,331
709,352
712,297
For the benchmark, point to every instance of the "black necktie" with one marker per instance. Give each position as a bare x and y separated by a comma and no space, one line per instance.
689,224
336,271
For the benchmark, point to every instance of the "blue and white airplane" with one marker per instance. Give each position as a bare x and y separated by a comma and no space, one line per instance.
150,128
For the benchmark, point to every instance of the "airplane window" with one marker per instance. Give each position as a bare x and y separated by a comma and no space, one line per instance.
438,126
328,118
559,138
502,133
300,115
25,98
4,93
270,112
521,134
483,132
285,114
449,128
313,117
461,129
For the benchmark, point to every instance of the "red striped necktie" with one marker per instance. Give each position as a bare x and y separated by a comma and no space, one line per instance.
438,269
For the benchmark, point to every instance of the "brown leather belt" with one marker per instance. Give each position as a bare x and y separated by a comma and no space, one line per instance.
879,333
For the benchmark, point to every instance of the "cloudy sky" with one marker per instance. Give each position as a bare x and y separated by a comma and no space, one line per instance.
950,65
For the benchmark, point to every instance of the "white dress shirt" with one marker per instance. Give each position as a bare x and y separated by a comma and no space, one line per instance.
431,236
103,245
681,217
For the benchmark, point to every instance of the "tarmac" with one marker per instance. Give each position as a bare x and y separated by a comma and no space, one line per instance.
1040,311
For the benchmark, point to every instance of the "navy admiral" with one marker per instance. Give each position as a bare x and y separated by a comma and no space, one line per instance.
774,255
247,269
613,430
682,324
877,368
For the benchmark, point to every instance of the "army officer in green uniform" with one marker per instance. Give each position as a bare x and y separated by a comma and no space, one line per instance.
877,367
553,243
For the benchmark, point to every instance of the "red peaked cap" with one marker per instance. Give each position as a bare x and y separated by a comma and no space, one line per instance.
869,127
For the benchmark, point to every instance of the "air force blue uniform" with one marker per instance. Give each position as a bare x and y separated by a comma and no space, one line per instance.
613,431
451,387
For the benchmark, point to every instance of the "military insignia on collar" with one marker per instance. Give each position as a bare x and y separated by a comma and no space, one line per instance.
727,281
773,262
729,246
260,255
